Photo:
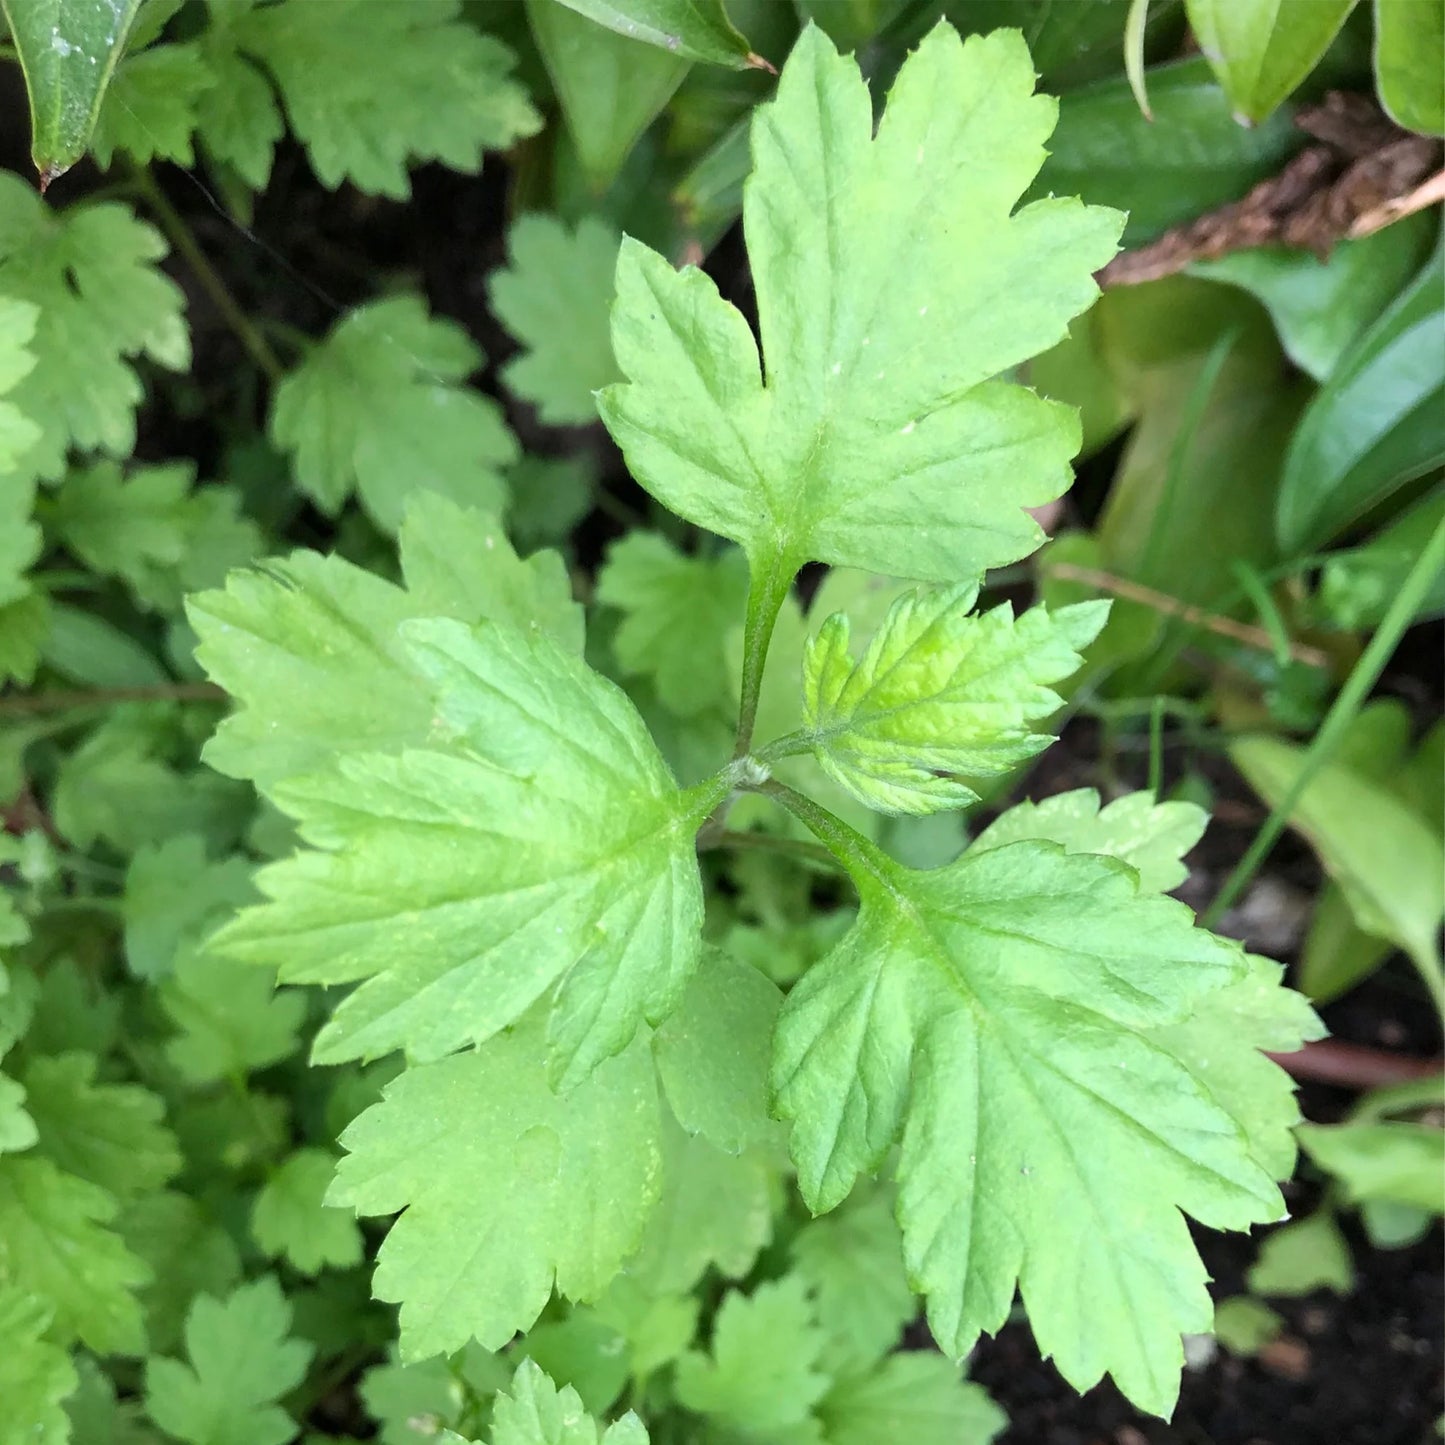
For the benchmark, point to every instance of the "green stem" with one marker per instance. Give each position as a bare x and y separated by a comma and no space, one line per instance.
768,843
36,702
182,238
848,846
1347,704
767,587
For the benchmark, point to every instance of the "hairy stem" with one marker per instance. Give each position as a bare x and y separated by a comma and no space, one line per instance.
768,843
847,845
767,587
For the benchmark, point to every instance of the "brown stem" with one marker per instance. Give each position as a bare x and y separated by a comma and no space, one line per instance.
1355,1066
24,704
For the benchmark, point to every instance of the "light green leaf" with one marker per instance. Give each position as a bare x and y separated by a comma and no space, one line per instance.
1389,864
109,1134
1373,426
581,1351
17,434
550,845
241,1363
379,409
68,50
1262,49
994,1012
1304,1256
54,1244
877,420
1244,1325
35,1373
678,612
852,1260
17,1128
761,1373
103,301
715,1211
231,1019
1358,584
290,1219
533,1411
712,1053
237,120
449,93
539,1187
1390,1161
693,29
555,297
657,1328
917,1396
1409,60
610,88
1152,838
152,106
939,693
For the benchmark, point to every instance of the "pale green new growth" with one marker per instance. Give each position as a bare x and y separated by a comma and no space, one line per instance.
995,1016
537,1187
533,1411
379,409
555,298
548,845
939,693
241,1363
892,283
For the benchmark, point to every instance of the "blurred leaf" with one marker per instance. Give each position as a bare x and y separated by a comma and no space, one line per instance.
1389,1161
1409,61
1358,585
1303,1256
916,1396
1076,372
87,649
68,50
1244,1325
692,29
1375,425
1320,307
1262,49
610,88
1191,159
582,1351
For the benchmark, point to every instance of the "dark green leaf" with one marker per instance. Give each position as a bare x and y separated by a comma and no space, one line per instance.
692,29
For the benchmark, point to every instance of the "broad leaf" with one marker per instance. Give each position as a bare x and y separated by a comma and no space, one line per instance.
68,50
290,1220
529,1188
877,421
1392,1161
548,846
1409,58
241,1362
917,1396
992,1013
1304,1256
940,695
693,29
1261,52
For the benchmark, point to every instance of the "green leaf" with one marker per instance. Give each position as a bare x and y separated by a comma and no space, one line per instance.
54,1245
1357,585
241,1362
610,88
994,1012
1390,1161
1152,838
18,434
761,1372
1321,307
656,1328
555,297
939,693
1191,158
230,1018
715,1212
174,895
237,120
1262,52
1409,58
712,1053
17,1128
91,271
188,1252
379,409
852,1260
89,650
877,420
1244,1325
533,1411
550,845
693,29
447,88
291,1220
581,1351
35,1374
312,647
152,106
109,1134
68,49
678,612
1373,426
539,1187
915,1396
1304,1256
1389,864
